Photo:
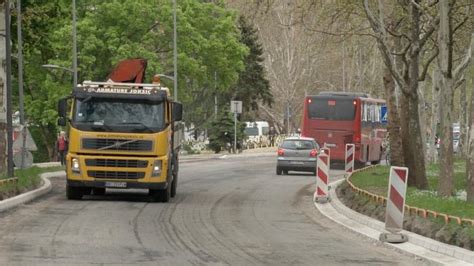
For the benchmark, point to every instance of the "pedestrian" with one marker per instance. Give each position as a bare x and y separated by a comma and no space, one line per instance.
272,135
61,147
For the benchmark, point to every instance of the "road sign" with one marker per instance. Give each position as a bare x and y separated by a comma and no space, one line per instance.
383,114
236,107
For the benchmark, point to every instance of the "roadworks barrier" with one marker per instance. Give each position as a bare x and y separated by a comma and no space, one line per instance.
420,212
321,194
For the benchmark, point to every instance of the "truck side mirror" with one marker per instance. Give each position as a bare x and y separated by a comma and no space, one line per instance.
177,112
62,111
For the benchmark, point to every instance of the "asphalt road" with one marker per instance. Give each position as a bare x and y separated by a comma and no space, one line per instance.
234,211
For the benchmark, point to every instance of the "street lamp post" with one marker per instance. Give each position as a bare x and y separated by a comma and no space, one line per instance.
74,45
9,90
175,55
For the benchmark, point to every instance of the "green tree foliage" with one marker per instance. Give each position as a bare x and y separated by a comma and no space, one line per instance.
112,30
221,134
252,86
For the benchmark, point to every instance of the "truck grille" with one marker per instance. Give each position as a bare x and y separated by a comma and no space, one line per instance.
116,175
116,163
117,144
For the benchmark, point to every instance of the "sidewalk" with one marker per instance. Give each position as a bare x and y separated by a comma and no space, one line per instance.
417,245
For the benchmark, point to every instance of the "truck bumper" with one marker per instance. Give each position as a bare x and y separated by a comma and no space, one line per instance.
116,184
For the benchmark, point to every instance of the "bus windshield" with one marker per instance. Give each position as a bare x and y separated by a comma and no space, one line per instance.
331,109
118,115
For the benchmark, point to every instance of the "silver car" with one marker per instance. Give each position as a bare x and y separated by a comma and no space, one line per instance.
297,154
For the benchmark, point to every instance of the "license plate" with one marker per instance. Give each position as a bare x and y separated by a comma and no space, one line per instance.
298,163
116,184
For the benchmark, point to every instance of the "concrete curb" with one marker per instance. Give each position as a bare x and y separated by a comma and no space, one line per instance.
417,245
31,195
224,157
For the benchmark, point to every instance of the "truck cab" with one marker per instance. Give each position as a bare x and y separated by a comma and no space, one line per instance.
121,135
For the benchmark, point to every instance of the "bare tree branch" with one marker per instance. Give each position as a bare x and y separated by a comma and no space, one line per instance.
427,64
383,46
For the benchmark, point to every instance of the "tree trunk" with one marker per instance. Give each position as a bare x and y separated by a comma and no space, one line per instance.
407,150
3,117
433,151
412,132
470,157
413,159
464,122
49,141
446,179
422,118
393,127
446,173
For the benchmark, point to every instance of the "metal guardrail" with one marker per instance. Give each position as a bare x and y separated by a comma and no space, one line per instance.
424,213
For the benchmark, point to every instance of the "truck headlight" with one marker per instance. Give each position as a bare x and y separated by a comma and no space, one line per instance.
156,171
75,166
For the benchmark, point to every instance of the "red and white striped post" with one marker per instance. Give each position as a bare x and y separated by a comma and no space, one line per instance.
322,177
328,152
349,158
396,205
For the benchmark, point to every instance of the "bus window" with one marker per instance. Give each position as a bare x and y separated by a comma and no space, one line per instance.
365,112
331,109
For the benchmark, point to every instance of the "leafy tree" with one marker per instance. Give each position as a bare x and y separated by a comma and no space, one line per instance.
252,86
221,133
113,30
42,90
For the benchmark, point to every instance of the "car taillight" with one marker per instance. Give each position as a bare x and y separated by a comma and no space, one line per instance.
313,153
281,152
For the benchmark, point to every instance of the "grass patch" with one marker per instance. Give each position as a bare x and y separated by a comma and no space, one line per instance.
375,180
28,179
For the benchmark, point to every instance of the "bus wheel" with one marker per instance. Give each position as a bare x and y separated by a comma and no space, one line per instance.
74,193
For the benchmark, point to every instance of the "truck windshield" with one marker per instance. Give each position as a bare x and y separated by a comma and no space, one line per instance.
118,115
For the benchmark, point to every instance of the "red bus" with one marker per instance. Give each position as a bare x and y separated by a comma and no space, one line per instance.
334,119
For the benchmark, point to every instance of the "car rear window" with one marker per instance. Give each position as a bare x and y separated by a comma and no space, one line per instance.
298,144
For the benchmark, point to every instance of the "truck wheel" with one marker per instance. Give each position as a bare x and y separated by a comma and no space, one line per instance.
174,186
98,191
161,195
74,193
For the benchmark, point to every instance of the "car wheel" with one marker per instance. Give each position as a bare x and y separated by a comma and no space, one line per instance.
285,172
278,171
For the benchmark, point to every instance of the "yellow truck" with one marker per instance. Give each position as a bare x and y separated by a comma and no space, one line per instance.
121,135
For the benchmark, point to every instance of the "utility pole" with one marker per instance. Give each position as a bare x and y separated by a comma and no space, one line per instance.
215,95
9,90
20,85
3,91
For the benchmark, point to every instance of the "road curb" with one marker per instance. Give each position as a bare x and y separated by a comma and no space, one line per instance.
31,195
417,245
225,157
